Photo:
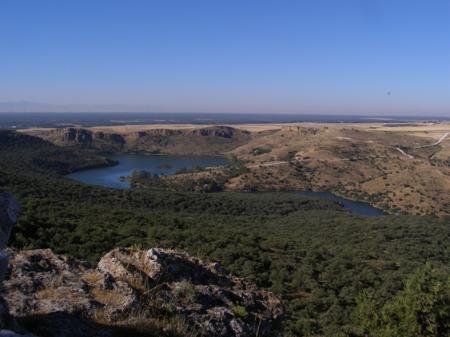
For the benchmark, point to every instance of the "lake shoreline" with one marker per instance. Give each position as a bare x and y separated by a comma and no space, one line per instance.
355,206
123,165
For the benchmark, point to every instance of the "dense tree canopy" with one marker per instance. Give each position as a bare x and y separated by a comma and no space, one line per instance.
421,309
317,257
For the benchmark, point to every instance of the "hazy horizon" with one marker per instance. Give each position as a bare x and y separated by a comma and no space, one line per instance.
24,107
377,58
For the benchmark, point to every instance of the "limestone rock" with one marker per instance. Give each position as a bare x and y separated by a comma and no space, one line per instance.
41,281
138,286
145,292
198,140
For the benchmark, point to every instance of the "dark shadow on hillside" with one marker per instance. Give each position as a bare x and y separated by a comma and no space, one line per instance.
62,324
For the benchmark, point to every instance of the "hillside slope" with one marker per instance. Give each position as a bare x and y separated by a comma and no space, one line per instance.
310,253
401,169
149,293
392,170
206,140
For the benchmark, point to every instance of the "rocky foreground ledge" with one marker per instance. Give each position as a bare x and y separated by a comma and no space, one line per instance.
132,292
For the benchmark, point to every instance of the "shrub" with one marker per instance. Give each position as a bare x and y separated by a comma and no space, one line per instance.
260,150
185,290
239,311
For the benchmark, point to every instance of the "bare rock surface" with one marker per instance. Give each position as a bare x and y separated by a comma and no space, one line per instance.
200,140
141,290
132,292
9,211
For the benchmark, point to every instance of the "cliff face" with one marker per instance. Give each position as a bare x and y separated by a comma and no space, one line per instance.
83,138
131,292
207,140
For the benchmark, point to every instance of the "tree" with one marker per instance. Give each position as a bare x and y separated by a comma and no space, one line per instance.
421,309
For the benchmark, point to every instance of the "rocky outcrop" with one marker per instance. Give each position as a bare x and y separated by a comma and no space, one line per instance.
156,133
132,292
109,137
75,135
130,288
9,211
83,138
202,140
219,131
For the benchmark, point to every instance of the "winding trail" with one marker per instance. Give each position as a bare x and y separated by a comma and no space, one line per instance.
270,163
404,153
440,140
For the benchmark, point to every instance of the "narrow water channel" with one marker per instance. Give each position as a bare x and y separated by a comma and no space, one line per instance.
357,207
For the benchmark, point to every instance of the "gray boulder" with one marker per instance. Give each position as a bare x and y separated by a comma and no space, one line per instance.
136,289
156,292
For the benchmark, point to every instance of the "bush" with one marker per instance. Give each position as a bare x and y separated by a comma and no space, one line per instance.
185,291
239,311
260,150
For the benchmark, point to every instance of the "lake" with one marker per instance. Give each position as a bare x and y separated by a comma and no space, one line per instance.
357,207
169,164
156,164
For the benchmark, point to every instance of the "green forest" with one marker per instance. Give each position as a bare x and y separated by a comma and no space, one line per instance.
337,273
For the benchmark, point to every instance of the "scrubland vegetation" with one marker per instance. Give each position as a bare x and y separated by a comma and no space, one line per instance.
338,274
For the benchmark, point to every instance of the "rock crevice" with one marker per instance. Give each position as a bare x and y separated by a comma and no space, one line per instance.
137,286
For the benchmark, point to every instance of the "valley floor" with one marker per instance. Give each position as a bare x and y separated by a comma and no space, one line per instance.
397,167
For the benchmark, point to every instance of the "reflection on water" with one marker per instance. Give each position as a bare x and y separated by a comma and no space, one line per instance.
155,164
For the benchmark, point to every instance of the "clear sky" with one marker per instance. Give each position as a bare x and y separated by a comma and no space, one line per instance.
316,56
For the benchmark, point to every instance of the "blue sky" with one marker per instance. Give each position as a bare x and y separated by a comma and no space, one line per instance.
317,56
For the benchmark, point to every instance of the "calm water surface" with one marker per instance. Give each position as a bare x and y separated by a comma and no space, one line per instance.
156,164
357,207
169,164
